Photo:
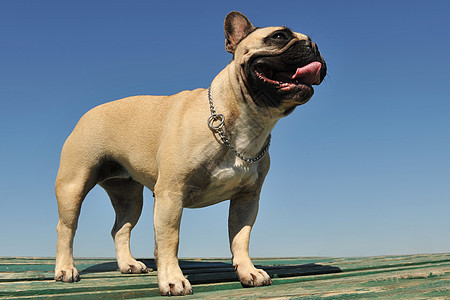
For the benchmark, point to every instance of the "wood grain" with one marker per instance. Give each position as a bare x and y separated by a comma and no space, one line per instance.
388,277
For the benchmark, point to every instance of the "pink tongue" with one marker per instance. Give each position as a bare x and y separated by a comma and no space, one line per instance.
309,74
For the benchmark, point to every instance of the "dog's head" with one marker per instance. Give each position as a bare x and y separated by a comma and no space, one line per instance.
277,66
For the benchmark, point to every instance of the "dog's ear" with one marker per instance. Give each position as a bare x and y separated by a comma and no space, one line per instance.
236,27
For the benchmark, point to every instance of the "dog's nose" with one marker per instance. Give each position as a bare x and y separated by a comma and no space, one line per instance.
312,46
307,43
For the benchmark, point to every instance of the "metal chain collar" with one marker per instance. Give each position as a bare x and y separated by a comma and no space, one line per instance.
214,117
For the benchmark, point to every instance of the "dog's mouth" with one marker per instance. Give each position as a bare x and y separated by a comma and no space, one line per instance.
285,78
291,80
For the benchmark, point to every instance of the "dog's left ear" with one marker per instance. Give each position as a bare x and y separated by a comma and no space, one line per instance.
236,27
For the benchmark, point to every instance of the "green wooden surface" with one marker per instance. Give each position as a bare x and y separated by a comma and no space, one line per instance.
385,277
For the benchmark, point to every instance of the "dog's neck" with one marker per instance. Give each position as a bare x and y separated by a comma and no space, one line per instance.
248,126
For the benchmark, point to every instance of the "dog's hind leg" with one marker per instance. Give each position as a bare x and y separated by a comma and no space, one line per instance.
72,186
127,197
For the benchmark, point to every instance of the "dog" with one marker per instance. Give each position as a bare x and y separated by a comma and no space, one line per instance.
192,149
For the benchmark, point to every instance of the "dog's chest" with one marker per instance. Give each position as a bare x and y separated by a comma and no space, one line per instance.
233,176
225,181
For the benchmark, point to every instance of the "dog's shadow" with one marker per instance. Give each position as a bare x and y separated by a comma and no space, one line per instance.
186,266
204,271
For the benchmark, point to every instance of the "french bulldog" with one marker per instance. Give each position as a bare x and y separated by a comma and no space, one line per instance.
192,149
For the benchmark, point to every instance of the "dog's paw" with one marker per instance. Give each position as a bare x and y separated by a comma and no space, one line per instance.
69,274
133,266
251,277
173,284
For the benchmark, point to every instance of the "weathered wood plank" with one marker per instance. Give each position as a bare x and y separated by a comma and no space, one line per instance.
409,284
384,276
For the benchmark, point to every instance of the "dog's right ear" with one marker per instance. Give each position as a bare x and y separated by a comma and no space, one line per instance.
236,27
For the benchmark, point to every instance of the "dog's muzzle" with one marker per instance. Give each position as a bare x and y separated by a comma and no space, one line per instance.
288,75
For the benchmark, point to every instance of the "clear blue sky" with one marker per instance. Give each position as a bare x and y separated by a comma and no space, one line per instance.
361,169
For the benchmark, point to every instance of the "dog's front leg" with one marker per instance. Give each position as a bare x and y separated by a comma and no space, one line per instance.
167,217
241,218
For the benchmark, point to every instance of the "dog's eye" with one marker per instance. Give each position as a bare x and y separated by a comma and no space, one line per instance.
279,36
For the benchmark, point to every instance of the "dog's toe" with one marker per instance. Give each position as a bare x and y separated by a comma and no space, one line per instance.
67,275
133,267
254,277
